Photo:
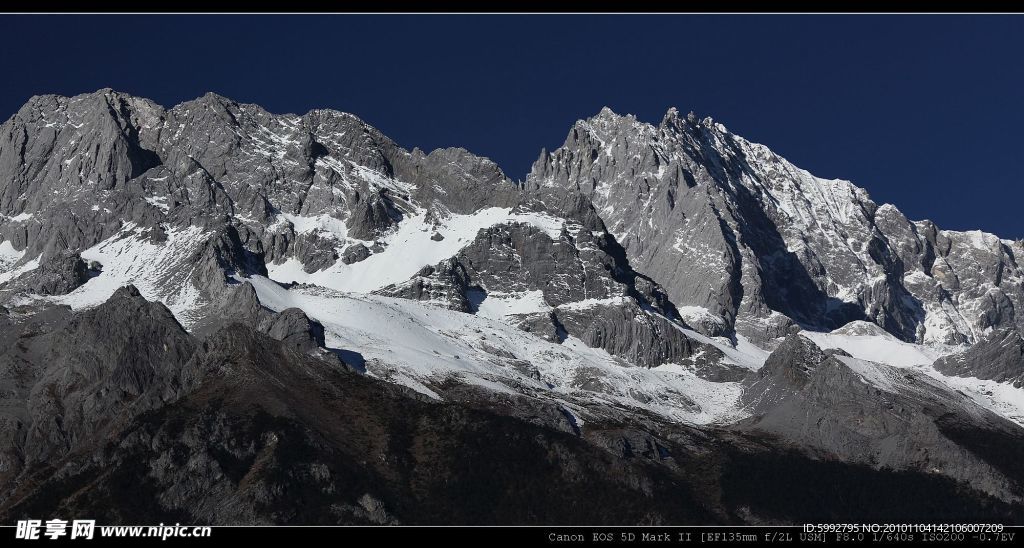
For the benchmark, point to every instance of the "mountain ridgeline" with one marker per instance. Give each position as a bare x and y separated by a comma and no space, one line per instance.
667,322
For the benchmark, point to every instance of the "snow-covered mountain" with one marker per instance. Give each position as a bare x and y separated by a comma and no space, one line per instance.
671,276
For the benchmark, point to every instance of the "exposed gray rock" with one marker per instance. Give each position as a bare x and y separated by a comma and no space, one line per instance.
999,357
446,283
71,378
545,326
757,237
59,275
878,415
627,331
314,251
372,216
787,370
355,253
460,180
292,327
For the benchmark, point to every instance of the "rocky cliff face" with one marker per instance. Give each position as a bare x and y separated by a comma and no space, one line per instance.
998,356
765,243
200,286
882,416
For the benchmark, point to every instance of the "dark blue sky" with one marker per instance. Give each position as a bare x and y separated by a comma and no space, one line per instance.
923,111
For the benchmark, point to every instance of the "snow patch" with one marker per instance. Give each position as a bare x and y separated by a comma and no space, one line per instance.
551,225
408,249
871,373
154,268
587,304
322,224
498,306
878,348
9,257
159,202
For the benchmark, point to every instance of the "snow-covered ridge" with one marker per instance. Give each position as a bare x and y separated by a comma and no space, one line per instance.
420,345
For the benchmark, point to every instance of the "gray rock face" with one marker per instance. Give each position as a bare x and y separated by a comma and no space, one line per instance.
292,327
787,370
458,179
626,331
373,216
594,293
446,283
574,267
239,304
72,377
59,275
882,416
999,357
758,237
355,253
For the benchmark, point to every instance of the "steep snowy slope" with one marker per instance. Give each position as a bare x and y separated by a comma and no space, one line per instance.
425,346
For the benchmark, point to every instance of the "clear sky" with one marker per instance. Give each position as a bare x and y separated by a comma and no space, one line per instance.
924,111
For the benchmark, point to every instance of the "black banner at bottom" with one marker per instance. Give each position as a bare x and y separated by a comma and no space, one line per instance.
44,533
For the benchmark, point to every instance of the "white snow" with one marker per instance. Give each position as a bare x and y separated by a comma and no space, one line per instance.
21,217
8,257
744,353
159,202
878,348
420,345
587,304
407,249
550,224
325,225
978,239
698,315
154,268
499,305
1002,398
290,270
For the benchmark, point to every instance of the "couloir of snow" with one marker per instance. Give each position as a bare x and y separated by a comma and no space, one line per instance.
420,345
